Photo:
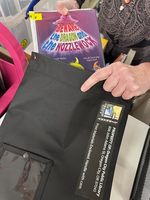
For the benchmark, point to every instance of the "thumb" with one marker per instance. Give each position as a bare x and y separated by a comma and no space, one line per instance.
61,8
64,6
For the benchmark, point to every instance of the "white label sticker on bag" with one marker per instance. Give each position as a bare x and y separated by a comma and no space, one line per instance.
99,154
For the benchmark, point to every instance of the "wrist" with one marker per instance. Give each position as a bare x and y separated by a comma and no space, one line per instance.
145,68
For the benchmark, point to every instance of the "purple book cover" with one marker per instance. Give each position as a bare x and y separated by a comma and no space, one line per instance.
74,38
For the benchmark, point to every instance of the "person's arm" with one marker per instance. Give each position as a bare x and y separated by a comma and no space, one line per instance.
121,79
64,6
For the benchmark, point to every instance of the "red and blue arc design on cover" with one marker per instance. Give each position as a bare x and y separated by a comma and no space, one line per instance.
69,38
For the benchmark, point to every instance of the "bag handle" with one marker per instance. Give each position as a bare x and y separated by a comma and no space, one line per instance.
14,48
31,7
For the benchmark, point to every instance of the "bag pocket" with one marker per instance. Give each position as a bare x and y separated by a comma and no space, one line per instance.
23,175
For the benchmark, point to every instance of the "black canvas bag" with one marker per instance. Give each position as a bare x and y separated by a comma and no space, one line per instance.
46,131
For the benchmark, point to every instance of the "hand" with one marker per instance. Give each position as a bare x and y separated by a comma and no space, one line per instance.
121,79
64,6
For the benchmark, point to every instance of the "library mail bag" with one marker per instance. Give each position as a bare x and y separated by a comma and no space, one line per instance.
56,142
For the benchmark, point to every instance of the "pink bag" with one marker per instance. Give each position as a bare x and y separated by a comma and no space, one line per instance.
12,73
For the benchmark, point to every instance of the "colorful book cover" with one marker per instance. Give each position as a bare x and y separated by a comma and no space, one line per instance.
74,38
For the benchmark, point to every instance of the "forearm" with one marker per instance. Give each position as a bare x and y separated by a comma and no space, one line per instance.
146,64
144,76
146,59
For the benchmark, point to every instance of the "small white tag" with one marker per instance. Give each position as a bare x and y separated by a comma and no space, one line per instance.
121,8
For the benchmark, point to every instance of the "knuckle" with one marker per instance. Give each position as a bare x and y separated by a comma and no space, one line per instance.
127,95
106,87
115,94
96,75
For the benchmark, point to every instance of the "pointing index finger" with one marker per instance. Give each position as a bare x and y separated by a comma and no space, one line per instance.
99,75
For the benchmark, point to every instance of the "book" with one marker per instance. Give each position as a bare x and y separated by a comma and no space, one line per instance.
104,43
125,58
5,55
73,38
130,56
2,85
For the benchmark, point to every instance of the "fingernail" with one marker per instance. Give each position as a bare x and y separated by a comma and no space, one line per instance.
82,88
65,11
